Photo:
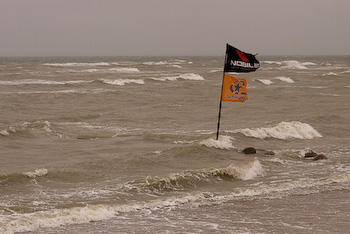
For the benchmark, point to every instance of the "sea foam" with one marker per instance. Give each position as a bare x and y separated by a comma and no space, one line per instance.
121,82
224,142
41,82
283,130
54,218
77,64
113,70
284,79
265,81
186,76
37,173
293,64
246,171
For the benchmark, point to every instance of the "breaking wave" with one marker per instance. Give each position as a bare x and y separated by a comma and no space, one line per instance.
186,76
57,217
265,81
293,64
42,82
45,125
112,70
283,131
177,181
37,173
193,178
285,79
79,64
330,74
224,142
121,82
16,177
171,63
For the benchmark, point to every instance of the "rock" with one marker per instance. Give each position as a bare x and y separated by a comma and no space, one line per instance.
310,154
249,150
320,156
269,152
315,156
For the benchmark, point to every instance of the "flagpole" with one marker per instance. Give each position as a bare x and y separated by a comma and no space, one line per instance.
219,117
217,132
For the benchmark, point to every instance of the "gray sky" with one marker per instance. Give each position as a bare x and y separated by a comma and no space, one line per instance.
173,27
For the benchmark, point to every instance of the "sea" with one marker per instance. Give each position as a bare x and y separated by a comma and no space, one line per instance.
128,145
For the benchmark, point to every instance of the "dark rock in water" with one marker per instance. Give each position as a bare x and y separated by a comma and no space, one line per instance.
310,154
315,156
249,150
269,153
320,156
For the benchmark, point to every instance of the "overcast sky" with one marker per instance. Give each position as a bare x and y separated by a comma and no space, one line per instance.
173,27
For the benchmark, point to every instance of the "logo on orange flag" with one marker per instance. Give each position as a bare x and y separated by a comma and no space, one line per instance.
234,89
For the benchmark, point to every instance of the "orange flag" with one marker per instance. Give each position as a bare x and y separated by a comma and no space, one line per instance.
234,89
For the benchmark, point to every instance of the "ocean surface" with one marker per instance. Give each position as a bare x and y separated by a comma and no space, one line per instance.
127,145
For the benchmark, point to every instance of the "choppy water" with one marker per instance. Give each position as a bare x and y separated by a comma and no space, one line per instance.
127,145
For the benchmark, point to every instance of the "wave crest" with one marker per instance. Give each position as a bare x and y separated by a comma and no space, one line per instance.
27,126
37,173
186,76
283,131
224,142
121,82
193,178
293,64
78,64
284,79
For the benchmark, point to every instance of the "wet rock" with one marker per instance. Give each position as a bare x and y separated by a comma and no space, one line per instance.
249,150
320,156
314,156
310,154
269,152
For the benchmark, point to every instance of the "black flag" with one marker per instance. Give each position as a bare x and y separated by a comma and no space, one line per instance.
239,61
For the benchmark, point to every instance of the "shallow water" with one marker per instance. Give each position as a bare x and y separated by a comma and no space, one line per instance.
127,144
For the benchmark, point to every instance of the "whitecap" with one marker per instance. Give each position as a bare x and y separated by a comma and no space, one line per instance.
151,63
285,79
272,62
76,64
125,70
330,74
293,64
191,76
186,76
265,81
249,171
121,82
176,66
41,82
215,70
224,142
112,70
4,133
283,130
54,218
37,173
